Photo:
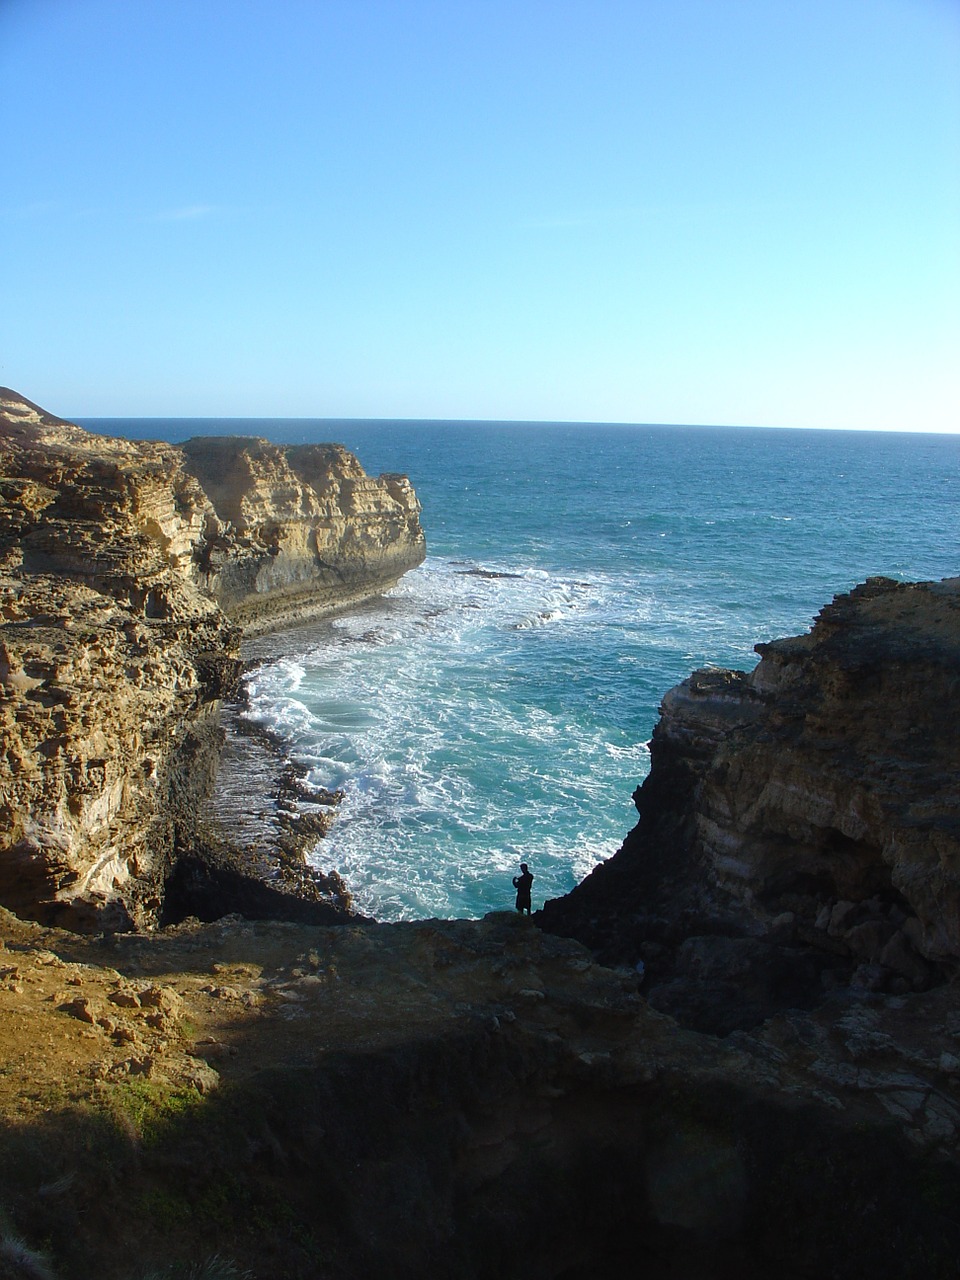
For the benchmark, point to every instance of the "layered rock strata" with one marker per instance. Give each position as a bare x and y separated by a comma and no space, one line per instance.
800,826
123,588
301,528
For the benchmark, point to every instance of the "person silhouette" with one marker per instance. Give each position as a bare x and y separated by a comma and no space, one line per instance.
523,883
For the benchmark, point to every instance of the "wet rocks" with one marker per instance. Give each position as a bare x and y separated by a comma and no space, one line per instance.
216,878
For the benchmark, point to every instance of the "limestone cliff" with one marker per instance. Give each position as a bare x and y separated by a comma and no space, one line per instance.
302,528
800,826
122,584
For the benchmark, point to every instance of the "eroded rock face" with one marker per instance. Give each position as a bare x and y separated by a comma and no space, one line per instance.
122,583
800,827
302,528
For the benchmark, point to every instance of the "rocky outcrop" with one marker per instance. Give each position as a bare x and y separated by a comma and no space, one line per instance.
301,528
800,826
123,585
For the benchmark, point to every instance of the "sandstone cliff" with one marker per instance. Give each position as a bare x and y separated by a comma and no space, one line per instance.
800,826
301,528
123,586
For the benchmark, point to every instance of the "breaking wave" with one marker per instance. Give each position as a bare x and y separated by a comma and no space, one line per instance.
495,706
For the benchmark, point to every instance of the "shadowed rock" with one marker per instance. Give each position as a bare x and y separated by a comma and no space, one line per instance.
800,827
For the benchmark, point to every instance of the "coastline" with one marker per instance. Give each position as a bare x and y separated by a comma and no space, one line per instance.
124,569
260,803
744,1060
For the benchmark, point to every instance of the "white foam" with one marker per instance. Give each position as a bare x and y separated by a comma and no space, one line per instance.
459,744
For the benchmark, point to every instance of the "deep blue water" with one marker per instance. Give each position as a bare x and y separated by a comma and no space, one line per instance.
478,721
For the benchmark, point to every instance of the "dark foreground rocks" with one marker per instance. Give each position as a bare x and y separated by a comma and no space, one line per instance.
791,892
454,1099
799,830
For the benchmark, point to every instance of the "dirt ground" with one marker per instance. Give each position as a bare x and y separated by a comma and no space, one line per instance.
265,1099
116,1052
235,996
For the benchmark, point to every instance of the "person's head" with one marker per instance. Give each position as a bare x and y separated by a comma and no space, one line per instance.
523,866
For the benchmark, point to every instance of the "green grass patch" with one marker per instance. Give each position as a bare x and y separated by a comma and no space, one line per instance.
152,1109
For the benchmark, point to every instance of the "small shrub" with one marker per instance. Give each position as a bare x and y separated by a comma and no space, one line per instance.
18,1261
214,1268
150,1108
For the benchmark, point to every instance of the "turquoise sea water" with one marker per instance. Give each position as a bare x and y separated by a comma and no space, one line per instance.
495,707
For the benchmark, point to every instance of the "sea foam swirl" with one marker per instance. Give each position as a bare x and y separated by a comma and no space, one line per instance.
496,704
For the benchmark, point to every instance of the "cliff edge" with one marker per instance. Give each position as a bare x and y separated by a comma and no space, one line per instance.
470,1099
124,585
800,826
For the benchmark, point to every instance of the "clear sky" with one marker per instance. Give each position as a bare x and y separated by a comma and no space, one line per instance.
700,211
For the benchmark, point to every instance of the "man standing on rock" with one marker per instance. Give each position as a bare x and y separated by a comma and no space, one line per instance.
523,883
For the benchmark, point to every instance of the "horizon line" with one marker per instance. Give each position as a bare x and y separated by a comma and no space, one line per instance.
512,422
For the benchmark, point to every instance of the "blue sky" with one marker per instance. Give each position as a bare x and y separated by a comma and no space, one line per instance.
702,211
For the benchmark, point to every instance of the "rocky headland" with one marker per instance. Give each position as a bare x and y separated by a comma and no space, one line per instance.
128,572
800,825
733,1051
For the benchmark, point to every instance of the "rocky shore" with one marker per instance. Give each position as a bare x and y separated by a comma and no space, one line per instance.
127,572
732,1051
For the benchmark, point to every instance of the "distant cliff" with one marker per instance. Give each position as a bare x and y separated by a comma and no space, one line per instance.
297,529
126,573
800,827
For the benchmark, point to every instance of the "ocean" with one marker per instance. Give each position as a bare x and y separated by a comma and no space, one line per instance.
496,705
